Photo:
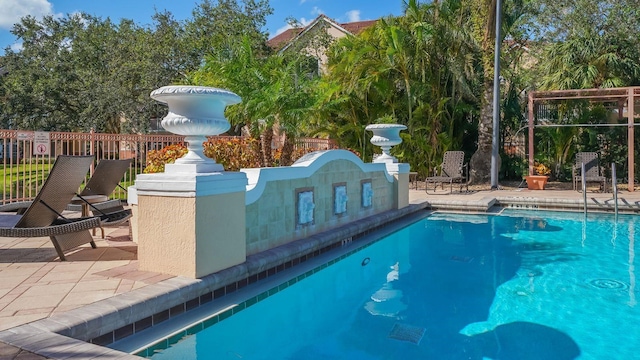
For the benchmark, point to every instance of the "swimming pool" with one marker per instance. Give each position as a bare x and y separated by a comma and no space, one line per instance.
523,285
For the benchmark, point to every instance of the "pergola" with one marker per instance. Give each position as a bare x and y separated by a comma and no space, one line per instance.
626,99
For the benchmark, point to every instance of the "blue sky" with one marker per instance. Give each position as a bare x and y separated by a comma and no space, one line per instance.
142,10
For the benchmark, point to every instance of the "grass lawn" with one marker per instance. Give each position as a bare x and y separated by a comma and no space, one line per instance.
24,180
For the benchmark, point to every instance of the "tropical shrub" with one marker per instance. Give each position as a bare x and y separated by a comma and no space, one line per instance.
156,159
235,154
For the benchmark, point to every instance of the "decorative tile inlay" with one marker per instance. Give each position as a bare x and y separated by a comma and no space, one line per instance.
304,206
340,198
367,193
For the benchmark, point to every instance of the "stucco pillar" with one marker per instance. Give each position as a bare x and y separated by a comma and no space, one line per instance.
191,218
191,225
400,172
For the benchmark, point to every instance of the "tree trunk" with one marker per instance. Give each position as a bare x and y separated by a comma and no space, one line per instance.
267,138
480,163
287,150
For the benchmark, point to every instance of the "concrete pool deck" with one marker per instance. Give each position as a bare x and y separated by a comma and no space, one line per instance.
35,285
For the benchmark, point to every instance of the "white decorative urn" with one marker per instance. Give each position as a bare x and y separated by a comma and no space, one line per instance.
195,112
386,136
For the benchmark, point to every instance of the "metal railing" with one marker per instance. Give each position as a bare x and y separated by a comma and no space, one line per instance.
614,188
27,156
584,188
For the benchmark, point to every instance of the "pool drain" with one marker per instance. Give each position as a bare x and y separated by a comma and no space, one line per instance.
610,284
408,333
365,261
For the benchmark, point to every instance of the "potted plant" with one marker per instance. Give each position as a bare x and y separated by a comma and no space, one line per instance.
540,176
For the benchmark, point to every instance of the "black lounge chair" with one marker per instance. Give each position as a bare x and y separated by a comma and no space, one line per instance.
452,170
43,216
592,170
102,183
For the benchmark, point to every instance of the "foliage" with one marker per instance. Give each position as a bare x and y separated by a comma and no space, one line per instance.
277,90
157,159
80,72
414,70
588,43
234,154
217,25
541,169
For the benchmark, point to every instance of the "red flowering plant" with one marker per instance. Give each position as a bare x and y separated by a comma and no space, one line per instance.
156,159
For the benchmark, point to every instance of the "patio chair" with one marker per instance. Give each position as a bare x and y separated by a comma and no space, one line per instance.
95,195
592,171
452,170
42,216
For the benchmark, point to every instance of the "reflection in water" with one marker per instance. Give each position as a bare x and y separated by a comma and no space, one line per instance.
527,341
387,301
584,230
632,275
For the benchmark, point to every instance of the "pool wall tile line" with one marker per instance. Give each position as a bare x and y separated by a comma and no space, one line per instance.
143,308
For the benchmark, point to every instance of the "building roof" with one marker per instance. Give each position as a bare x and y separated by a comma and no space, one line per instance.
285,38
358,26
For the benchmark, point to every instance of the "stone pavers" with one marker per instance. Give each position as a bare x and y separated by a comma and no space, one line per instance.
34,284
40,285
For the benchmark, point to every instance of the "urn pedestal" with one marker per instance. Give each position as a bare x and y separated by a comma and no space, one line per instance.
191,218
386,136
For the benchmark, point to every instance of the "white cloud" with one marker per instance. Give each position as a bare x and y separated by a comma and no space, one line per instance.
303,22
353,15
316,11
303,1
16,47
14,10
283,29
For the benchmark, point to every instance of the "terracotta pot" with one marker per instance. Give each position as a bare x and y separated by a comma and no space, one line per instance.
536,182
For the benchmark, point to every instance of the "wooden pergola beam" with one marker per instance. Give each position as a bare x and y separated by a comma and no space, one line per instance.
626,95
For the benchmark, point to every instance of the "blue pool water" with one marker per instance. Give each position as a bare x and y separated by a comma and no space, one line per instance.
523,285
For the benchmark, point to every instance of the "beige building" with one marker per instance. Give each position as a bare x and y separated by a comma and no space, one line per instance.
314,38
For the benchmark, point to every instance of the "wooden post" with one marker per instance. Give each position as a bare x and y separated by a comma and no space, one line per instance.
630,135
92,149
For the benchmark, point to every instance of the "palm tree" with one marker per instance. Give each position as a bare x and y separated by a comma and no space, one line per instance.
413,70
483,20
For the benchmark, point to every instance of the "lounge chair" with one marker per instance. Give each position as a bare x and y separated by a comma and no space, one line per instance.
452,170
592,171
42,216
95,195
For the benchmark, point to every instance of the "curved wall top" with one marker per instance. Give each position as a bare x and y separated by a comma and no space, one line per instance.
303,168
